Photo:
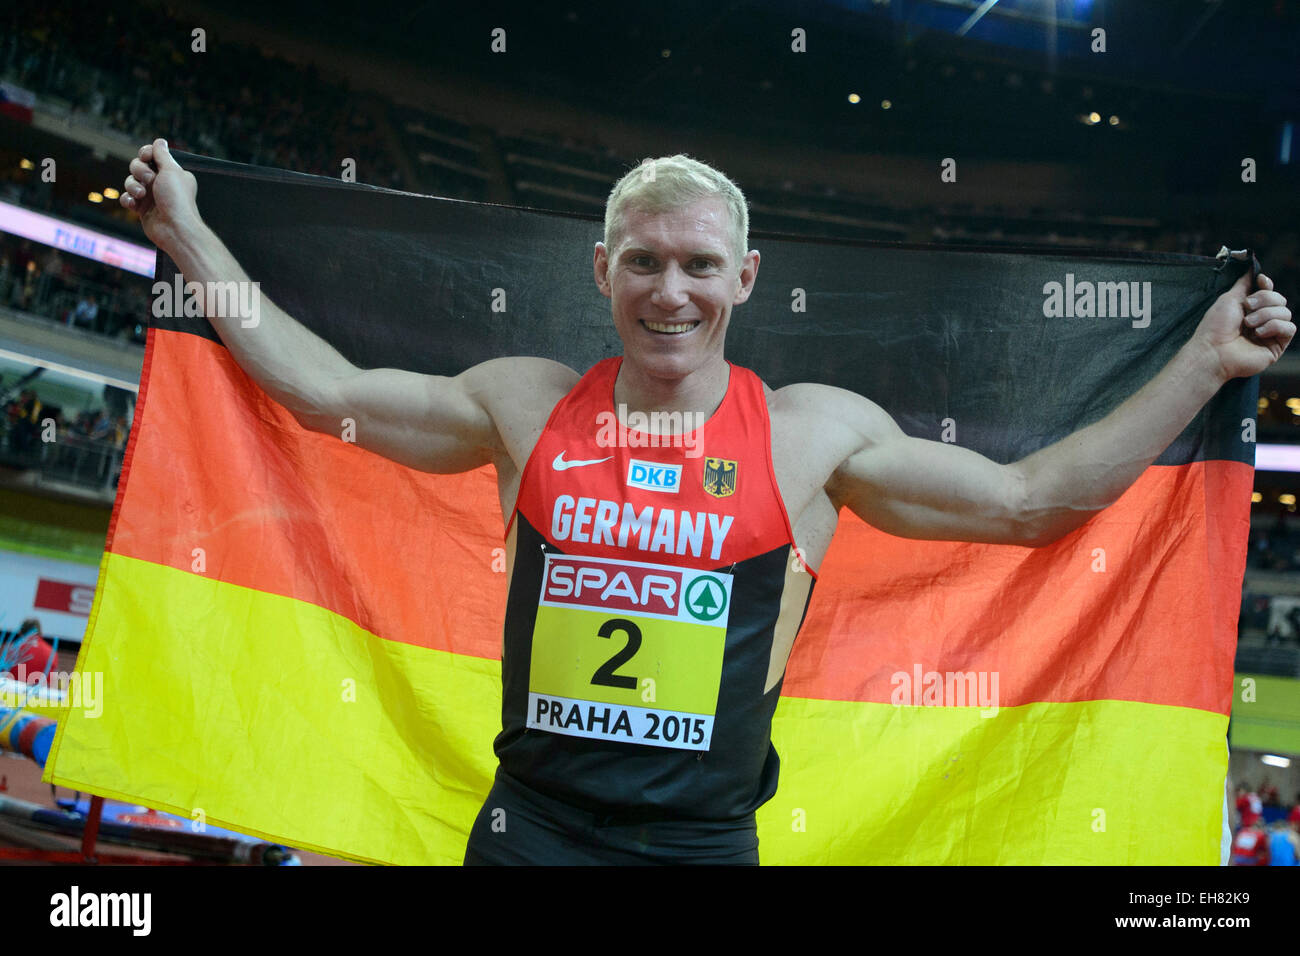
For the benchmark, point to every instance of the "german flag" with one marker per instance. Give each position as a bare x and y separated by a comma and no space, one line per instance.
301,640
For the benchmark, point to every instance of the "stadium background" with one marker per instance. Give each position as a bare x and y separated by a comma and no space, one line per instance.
1139,147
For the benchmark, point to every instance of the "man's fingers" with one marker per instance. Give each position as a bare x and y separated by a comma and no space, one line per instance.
135,191
141,172
1272,312
1265,282
1280,328
163,156
1262,300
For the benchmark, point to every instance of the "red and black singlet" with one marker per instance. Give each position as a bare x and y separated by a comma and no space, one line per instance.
654,596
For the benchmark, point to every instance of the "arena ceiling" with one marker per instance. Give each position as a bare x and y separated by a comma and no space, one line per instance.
1015,79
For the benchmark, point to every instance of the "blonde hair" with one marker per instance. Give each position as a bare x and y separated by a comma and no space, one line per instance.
669,183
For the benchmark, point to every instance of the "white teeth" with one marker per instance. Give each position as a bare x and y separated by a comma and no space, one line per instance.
661,327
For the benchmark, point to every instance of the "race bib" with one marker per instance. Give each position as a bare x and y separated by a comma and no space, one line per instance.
628,651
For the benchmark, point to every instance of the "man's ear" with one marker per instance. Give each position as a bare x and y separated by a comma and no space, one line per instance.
748,276
600,268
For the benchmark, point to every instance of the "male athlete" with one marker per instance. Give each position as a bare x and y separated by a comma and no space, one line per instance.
681,560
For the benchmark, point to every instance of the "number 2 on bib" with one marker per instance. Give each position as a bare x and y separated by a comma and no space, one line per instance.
667,623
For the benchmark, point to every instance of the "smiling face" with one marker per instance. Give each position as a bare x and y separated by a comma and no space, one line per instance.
673,279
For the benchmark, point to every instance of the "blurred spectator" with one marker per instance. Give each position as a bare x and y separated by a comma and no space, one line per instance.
86,313
27,655
101,426
24,414
52,267
1250,846
1283,620
1249,806
1283,845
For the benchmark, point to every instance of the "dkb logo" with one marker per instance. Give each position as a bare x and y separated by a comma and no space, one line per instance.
653,476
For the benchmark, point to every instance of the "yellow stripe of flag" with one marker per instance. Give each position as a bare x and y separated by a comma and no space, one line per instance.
301,727
1092,782
382,751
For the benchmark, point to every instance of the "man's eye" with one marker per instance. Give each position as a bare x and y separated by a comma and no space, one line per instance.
702,264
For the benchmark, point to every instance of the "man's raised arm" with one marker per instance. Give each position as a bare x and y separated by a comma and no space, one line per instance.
916,488
430,422
1241,335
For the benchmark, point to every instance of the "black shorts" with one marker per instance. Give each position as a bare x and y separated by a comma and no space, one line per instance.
519,826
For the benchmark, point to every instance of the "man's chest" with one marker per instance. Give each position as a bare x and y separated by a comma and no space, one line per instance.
674,496
707,505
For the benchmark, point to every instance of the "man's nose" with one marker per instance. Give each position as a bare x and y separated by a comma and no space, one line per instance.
671,291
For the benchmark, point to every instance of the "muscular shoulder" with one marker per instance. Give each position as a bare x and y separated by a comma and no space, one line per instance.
519,394
824,410
519,384
522,371
815,430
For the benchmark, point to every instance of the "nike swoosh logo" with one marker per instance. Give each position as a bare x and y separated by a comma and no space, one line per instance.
560,464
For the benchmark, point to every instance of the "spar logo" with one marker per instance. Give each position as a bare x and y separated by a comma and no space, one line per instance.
706,598
590,582
634,588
